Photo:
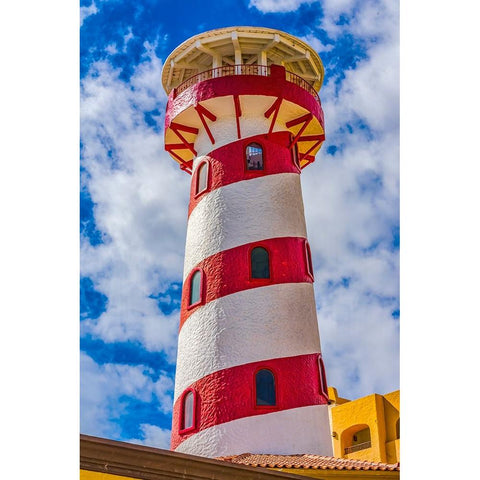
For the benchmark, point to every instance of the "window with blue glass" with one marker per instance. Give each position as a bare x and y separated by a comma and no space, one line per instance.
265,388
260,263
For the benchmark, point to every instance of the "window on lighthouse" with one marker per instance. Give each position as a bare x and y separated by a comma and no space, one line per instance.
202,178
195,288
188,406
260,263
265,388
295,155
308,258
254,155
323,377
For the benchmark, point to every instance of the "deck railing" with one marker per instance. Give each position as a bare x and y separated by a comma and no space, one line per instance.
224,72
301,82
359,446
243,69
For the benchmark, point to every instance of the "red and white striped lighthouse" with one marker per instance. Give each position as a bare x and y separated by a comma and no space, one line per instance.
244,118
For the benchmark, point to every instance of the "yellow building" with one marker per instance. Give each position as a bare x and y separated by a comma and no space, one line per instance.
367,428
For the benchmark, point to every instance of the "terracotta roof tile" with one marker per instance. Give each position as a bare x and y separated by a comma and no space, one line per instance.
307,461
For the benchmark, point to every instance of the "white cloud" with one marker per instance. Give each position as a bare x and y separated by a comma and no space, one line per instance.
126,38
111,49
337,7
141,202
154,436
274,6
364,18
345,222
102,387
85,12
316,43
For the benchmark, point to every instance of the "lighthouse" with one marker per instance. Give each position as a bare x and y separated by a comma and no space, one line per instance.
244,120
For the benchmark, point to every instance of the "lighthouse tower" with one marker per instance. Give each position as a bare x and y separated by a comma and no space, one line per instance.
244,119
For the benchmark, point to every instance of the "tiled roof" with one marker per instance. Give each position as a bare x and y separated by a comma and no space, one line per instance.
307,461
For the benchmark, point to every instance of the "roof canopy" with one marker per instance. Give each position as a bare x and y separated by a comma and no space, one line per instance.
241,45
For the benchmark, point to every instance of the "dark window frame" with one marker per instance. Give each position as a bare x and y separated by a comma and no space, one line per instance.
250,251
275,389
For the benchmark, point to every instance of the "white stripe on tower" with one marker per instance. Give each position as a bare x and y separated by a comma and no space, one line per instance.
244,212
266,436
210,340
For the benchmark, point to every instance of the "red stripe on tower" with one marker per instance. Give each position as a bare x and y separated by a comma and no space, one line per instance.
233,393
266,262
223,165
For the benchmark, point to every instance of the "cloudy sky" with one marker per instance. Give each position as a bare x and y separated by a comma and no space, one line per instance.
134,200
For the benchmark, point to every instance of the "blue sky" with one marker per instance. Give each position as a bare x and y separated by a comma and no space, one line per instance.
134,200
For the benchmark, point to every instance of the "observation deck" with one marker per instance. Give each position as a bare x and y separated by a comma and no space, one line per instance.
239,48
262,70
242,73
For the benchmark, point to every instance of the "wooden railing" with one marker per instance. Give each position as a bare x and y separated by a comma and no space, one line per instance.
359,446
301,82
224,72
227,70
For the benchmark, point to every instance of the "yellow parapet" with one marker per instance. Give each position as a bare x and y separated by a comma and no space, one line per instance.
89,475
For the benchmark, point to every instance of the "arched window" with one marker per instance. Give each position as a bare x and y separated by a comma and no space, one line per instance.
295,156
323,377
187,421
308,259
265,388
202,178
254,156
195,288
259,262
